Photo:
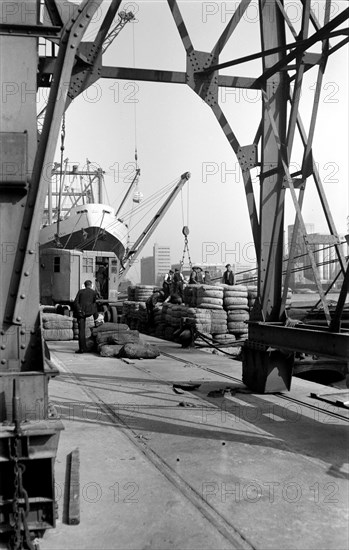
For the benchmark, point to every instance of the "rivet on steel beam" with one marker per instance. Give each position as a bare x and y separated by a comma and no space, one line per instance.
3,347
26,273
22,296
18,318
22,331
31,251
22,346
3,361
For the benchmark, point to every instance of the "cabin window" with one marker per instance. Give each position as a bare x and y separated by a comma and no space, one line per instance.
114,266
56,264
87,265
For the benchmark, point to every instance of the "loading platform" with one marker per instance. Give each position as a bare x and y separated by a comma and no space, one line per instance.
176,453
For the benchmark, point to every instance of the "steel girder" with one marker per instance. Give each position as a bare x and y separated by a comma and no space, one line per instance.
29,431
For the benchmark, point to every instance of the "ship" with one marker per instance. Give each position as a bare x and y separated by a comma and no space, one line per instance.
75,216
90,226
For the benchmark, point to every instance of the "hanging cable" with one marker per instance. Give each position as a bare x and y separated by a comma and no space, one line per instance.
134,83
58,243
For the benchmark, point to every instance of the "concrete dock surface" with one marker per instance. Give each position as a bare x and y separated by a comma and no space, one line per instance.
167,465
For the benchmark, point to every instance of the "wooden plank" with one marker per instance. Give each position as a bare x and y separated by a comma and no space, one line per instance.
73,515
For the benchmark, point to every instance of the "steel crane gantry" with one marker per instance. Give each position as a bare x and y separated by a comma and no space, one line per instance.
268,352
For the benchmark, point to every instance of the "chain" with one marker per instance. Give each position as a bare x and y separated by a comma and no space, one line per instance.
16,539
186,248
20,515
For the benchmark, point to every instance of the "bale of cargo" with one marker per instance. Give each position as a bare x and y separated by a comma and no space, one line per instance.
110,350
107,327
238,315
114,337
89,325
237,327
199,318
143,292
56,321
218,321
139,351
224,339
56,334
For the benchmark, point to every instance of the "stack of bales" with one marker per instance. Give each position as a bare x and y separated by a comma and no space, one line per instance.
171,319
89,323
204,296
57,327
130,314
199,318
143,292
236,305
209,297
219,327
159,321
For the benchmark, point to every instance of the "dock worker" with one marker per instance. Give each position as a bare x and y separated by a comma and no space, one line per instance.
178,282
207,278
196,276
85,306
228,276
158,296
168,283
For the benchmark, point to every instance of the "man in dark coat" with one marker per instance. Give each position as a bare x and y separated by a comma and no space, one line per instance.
178,281
85,306
228,276
158,296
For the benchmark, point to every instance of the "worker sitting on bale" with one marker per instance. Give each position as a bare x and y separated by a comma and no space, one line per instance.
228,276
85,306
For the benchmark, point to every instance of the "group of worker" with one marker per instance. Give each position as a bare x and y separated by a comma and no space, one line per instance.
174,281
85,303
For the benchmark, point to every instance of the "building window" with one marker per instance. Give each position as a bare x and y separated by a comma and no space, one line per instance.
56,264
87,265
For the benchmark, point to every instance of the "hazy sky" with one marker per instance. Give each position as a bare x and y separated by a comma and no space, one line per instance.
175,131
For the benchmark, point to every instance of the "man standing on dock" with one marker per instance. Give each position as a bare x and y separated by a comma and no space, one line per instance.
228,276
85,306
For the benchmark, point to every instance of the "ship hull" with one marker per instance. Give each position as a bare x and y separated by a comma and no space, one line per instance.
88,227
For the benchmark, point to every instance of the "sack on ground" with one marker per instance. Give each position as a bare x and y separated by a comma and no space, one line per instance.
108,350
139,351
